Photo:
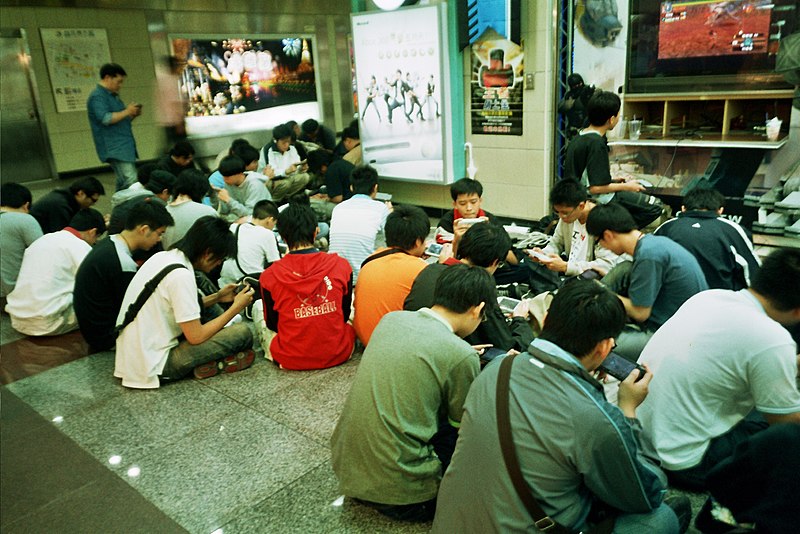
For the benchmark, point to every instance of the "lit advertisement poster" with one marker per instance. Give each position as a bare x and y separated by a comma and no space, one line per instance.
399,83
497,83
238,83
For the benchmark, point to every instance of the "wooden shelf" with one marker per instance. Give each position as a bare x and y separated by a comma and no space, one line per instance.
728,113
710,140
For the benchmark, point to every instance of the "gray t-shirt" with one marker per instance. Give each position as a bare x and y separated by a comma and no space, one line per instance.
184,216
381,446
17,232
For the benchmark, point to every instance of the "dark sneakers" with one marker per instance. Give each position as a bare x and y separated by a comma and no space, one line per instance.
682,506
229,364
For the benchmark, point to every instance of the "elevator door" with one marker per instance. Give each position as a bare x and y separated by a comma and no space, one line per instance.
25,153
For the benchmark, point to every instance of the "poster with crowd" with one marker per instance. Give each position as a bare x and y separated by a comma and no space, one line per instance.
224,79
399,61
74,57
497,85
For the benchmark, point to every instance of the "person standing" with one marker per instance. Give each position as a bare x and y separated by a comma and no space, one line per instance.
111,120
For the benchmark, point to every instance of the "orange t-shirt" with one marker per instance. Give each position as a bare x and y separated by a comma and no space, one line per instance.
382,287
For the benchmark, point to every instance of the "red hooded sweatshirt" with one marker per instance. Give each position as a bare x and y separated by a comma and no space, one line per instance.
307,297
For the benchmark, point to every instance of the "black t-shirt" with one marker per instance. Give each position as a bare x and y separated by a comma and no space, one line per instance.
55,210
588,152
337,179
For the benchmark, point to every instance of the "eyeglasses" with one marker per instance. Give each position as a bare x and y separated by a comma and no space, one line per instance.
564,215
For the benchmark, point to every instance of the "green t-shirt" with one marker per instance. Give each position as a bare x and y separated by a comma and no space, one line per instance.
414,373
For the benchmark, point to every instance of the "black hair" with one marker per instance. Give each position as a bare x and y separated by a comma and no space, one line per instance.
568,193
466,186
462,287
484,244
192,182
299,198
247,153
351,132
208,234
778,279
318,158
610,216
238,143
602,106
89,185
281,131
582,314
113,70
309,126
264,209
88,218
364,180
182,149
405,226
231,165
153,214
703,198
13,195
160,180
297,225
143,173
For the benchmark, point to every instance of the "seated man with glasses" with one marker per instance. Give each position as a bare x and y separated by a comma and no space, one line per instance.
572,251
397,430
55,210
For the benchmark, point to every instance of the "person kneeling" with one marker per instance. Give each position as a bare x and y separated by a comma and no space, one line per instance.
397,430
166,339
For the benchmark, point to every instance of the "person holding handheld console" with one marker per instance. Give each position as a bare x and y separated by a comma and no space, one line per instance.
580,457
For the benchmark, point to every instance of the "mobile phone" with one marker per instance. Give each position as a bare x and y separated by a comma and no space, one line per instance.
541,256
490,354
618,367
507,304
383,197
434,249
469,222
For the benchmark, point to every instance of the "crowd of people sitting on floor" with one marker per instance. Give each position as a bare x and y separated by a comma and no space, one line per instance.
285,250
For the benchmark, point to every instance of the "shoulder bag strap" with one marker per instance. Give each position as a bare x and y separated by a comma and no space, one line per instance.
381,254
541,520
236,257
147,291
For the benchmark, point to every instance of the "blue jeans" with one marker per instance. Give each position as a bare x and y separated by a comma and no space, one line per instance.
125,171
662,520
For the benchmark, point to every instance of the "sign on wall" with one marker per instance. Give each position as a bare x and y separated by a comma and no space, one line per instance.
74,57
497,83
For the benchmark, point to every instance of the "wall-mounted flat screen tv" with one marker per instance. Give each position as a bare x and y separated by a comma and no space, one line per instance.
703,45
233,84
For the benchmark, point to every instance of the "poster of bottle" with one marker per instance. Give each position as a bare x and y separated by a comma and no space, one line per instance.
400,69
74,57
238,83
497,85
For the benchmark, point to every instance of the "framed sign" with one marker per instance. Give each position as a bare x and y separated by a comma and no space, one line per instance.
74,57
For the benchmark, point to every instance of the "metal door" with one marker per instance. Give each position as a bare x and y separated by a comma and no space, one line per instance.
25,153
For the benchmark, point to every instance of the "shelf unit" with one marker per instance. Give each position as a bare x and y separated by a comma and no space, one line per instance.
723,118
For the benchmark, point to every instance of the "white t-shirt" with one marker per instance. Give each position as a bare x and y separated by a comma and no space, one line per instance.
355,225
41,303
280,161
144,345
257,245
714,361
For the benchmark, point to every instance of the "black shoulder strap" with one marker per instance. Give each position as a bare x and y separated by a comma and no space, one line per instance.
147,291
541,520
381,254
236,257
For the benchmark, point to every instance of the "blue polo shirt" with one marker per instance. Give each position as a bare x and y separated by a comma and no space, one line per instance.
112,141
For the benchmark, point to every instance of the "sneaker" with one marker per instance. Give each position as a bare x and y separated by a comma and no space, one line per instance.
793,230
229,364
682,506
792,202
772,196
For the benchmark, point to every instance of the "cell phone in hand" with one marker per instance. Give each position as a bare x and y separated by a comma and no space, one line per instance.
541,256
490,354
507,304
619,367
434,249
383,197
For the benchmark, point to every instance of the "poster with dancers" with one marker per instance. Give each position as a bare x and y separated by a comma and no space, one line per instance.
398,64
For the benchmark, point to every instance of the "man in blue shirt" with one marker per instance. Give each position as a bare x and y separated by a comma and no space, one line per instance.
110,120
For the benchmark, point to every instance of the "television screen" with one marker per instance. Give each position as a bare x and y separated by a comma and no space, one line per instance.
694,29
691,45
236,84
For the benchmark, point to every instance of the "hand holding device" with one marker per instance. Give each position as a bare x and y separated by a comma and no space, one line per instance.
469,222
633,390
619,367
433,249
538,255
244,297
